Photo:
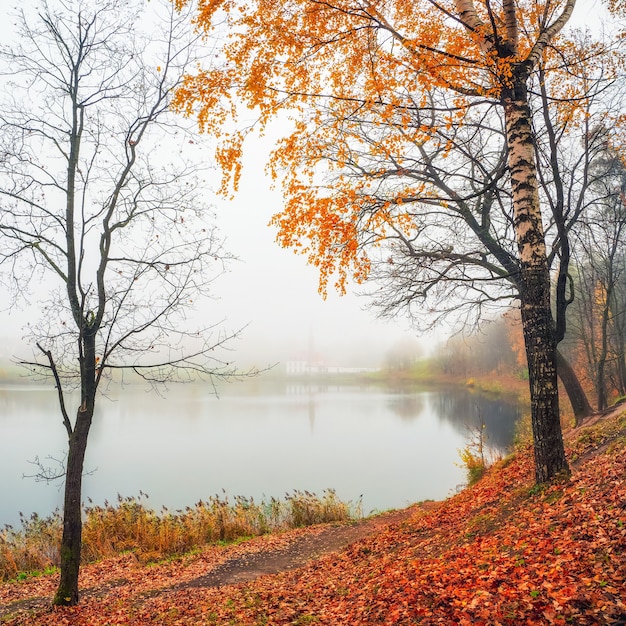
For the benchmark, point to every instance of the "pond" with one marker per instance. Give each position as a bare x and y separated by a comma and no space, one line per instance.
390,447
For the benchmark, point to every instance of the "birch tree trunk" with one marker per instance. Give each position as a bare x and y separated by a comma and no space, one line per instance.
537,323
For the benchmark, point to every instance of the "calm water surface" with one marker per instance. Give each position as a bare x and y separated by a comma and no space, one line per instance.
391,447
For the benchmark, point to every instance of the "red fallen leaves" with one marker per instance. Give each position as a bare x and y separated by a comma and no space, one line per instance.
503,552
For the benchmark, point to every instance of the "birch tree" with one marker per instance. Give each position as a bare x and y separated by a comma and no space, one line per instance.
406,70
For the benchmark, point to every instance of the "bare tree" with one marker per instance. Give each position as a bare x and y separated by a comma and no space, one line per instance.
598,317
100,211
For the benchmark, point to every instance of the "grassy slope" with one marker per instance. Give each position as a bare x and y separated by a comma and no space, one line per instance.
502,552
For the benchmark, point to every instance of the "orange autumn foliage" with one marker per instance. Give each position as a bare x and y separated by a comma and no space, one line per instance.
352,74
406,116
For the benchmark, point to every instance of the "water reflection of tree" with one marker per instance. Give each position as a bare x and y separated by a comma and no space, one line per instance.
463,410
407,406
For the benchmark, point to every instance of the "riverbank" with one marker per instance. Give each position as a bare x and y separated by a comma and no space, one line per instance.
507,384
502,552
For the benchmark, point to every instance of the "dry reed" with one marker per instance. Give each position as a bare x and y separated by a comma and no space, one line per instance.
130,525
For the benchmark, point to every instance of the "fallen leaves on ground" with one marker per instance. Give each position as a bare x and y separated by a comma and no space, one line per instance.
502,552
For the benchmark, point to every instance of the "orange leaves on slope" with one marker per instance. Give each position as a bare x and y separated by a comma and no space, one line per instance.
499,553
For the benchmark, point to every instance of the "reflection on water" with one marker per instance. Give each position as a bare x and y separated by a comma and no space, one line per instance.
392,447
469,411
407,406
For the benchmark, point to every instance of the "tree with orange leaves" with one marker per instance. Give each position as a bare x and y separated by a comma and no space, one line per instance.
364,81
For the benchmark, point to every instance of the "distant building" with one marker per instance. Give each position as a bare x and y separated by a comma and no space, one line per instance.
303,367
336,369
312,363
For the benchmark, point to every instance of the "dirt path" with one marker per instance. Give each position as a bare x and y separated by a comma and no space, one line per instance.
301,551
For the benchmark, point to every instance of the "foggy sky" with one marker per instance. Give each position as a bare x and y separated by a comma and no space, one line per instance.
277,292
269,289
272,289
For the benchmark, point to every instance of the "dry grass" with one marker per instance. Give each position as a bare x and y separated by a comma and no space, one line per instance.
130,525
31,548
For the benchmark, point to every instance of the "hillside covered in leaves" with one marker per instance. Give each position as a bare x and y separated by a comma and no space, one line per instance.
501,552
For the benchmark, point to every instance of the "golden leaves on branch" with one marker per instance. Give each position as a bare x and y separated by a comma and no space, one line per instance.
355,76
